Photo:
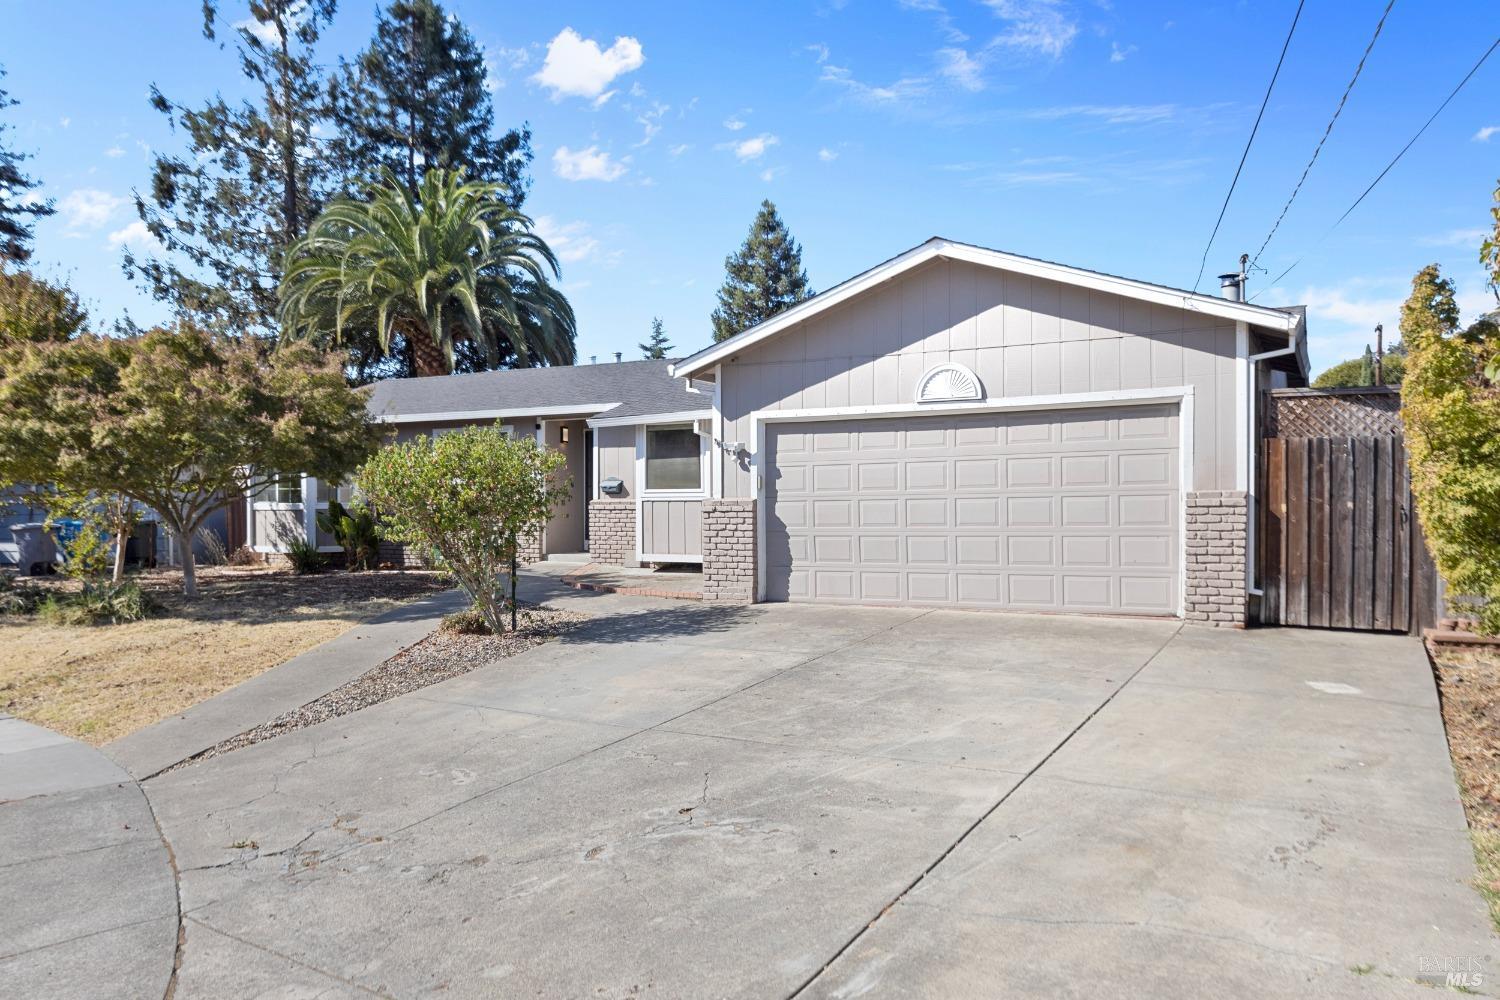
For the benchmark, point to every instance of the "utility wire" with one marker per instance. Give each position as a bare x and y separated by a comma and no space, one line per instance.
1397,159
1326,132
1251,141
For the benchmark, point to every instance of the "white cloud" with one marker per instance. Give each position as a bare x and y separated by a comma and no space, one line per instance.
591,164
88,208
734,123
577,67
894,94
114,152
1117,54
819,51
265,31
1040,27
771,173
827,155
571,241
1456,238
679,149
134,235
65,122
752,148
650,121
961,69
940,14
1110,114
1483,135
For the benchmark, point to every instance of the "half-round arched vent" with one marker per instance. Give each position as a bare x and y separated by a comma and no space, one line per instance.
946,383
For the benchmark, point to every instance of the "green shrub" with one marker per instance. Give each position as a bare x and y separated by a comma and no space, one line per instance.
354,529
111,604
1452,415
305,557
472,497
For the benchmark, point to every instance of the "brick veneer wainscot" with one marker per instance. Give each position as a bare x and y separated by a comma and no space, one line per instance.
729,551
1216,538
612,531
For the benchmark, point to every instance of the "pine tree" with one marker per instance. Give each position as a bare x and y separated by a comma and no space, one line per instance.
250,180
416,98
15,206
657,345
1367,367
764,277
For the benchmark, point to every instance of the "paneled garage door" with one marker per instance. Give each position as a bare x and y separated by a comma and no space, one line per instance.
1071,510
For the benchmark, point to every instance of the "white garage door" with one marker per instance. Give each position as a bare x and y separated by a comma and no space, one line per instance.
1072,510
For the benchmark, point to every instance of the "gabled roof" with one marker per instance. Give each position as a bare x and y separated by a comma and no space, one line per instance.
613,389
1212,305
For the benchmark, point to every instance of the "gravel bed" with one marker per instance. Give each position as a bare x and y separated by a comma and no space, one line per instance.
441,655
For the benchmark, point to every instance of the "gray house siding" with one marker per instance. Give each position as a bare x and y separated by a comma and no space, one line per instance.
1022,336
616,459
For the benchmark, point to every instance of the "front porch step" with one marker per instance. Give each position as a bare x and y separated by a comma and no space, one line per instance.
570,558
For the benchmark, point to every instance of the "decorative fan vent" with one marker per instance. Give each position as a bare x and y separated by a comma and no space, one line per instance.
946,383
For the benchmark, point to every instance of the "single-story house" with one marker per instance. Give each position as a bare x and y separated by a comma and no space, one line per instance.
955,427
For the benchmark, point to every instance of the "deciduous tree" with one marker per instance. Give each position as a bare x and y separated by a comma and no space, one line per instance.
1451,412
178,420
762,278
473,497
33,310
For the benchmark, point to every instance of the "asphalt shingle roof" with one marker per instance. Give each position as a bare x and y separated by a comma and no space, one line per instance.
612,389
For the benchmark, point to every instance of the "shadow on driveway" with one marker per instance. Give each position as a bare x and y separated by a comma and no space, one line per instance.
658,623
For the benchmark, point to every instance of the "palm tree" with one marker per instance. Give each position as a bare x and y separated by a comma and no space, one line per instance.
454,263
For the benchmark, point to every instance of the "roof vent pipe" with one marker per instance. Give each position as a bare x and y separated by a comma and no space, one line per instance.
1232,286
617,357
593,359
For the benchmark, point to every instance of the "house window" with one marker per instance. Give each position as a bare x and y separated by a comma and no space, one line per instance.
287,489
674,458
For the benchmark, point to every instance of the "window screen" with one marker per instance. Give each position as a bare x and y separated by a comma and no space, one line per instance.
287,489
673,459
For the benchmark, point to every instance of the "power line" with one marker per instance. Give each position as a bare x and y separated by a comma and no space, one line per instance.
1251,141
1326,132
1397,159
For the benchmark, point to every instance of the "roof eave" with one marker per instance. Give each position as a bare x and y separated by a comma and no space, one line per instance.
953,250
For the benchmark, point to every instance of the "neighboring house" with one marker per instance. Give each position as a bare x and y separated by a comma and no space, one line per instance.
956,427
632,435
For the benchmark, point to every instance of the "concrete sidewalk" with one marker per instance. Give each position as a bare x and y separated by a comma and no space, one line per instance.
89,897
282,688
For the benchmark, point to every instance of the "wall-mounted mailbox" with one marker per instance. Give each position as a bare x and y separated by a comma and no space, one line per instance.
612,486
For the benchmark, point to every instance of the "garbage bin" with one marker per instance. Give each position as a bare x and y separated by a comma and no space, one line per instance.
35,549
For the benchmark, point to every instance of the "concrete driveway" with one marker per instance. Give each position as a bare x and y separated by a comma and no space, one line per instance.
687,801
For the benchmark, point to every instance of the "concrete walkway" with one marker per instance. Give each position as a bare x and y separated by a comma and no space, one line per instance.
686,800
88,901
636,581
282,688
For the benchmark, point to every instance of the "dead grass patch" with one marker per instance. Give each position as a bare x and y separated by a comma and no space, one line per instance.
1469,682
98,683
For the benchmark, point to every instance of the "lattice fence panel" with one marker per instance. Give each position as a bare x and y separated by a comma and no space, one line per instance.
1319,414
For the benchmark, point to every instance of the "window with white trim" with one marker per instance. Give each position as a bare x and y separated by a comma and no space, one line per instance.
282,490
674,458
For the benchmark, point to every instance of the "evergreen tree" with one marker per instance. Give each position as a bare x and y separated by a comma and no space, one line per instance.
15,206
416,98
250,180
763,278
1367,367
657,345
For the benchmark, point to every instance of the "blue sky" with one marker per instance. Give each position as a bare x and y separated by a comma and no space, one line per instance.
1096,133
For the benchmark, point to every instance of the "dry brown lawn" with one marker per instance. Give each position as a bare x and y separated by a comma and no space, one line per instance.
98,683
1469,681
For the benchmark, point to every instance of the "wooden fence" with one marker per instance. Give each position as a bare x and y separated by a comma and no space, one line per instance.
1337,539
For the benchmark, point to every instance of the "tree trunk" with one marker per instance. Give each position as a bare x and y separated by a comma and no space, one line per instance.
514,569
122,538
189,571
427,358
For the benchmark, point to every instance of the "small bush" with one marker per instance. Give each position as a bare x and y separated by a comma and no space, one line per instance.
214,553
305,557
19,598
245,556
469,621
112,604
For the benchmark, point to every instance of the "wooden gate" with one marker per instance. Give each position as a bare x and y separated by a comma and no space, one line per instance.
1338,543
